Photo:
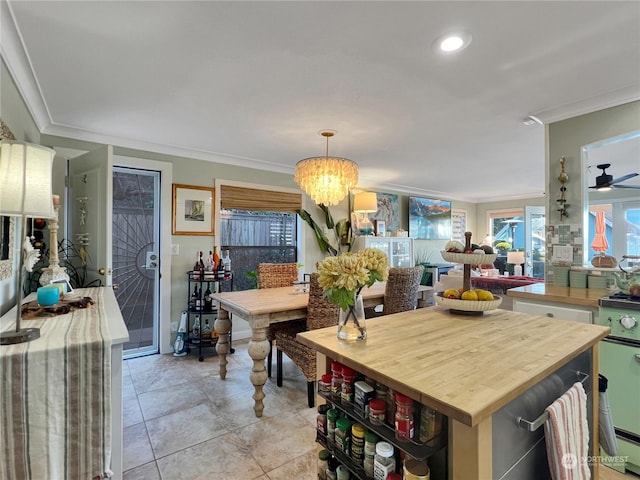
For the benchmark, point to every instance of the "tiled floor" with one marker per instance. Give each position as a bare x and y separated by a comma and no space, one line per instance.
181,421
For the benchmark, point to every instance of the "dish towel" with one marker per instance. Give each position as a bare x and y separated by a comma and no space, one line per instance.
567,435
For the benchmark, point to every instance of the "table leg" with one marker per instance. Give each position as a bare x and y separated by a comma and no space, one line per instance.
258,350
222,326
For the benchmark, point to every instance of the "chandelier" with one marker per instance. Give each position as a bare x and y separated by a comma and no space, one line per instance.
327,180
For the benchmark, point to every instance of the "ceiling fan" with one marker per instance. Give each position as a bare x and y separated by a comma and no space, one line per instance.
605,181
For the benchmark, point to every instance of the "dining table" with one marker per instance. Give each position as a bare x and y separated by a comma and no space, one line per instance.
263,307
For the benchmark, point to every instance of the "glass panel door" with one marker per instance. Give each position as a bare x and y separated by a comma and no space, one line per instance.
136,231
534,241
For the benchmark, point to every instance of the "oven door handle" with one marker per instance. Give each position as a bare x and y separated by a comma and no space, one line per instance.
637,355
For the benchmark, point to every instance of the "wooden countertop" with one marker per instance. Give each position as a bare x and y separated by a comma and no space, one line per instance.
587,297
464,366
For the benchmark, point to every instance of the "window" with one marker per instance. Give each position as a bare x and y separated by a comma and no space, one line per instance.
257,226
622,228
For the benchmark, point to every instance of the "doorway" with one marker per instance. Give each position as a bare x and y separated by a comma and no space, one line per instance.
135,254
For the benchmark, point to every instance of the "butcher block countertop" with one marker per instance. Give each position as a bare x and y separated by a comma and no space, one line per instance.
541,292
467,367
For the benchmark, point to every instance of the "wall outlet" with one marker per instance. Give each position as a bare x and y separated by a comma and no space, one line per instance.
175,249
562,253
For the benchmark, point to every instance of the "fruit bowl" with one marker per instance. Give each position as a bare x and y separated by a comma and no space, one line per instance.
469,258
468,307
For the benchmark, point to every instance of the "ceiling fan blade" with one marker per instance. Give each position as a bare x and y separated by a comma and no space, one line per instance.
623,178
627,186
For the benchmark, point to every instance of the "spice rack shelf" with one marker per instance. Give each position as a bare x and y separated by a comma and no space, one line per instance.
196,279
356,470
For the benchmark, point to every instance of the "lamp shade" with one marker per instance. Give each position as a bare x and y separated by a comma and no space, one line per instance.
25,180
516,258
365,202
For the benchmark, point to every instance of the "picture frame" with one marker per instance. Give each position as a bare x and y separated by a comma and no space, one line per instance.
429,218
192,210
63,281
381,228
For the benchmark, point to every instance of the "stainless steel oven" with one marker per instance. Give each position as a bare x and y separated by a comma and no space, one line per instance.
620,363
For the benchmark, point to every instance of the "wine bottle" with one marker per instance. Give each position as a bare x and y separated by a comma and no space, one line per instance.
206,330
195,332
196,268
194,299
216,259
208,301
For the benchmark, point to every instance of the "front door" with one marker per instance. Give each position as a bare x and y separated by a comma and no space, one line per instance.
534,241
136,256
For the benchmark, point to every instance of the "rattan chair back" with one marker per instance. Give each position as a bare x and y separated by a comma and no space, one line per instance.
401,290
321,312
274,275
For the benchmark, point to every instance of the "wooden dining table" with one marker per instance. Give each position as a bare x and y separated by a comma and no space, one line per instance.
261,308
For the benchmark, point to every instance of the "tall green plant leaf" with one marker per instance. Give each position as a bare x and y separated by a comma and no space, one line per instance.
323,242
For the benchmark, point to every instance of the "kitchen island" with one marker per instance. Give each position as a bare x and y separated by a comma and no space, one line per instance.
466,367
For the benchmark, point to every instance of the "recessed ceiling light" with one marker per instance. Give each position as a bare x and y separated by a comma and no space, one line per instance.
452,42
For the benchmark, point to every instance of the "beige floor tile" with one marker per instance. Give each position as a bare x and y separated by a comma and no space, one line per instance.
304,467
227,457
179,430
137,447
148,471
174,398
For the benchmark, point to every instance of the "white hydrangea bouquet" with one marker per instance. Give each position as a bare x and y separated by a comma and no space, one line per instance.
342,278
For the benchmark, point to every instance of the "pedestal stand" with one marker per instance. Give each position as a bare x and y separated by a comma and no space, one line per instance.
54,271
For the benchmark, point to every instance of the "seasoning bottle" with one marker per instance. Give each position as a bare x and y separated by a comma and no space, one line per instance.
394,476
415,469
343,473
332,418
404,418
348,378
322,419
324,384
332,465
357,443
370,440
383,463
430,424
391,406
336,379
377,410
343,435
323,457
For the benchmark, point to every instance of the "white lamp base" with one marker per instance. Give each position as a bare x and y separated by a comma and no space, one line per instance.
517,270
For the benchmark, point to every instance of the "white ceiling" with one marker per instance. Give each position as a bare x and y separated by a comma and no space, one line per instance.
252,83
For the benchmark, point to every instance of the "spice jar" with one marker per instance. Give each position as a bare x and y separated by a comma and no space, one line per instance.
430,424
415,470
404,417
377,410
323,457
343,435
370,440
383,463
391,407
394,476
324,384
348,378
336,379
332,465
332,417
357,443
321,419
343,473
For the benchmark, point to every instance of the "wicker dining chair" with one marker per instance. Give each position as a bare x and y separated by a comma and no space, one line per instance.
321,313
275,275
401,291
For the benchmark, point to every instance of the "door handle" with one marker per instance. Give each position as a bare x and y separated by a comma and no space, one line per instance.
115,286
102,271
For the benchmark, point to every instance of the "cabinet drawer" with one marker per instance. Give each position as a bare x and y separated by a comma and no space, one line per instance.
562,313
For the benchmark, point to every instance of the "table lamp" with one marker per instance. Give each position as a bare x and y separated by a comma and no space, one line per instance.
517,258
25,191
364,203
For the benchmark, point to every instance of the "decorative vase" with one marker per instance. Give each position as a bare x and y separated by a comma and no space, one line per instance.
351,325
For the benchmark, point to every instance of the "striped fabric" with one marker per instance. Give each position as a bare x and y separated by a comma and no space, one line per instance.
567,436
55,410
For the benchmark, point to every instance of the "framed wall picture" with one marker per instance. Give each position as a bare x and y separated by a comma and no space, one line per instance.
192,210
381,228
458,225
429,219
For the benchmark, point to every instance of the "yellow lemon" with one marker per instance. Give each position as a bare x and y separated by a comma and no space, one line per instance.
484,295
451,293
469,295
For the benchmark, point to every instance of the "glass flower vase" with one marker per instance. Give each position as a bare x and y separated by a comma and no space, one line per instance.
351,324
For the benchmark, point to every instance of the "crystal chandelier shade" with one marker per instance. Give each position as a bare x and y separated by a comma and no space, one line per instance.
327,180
